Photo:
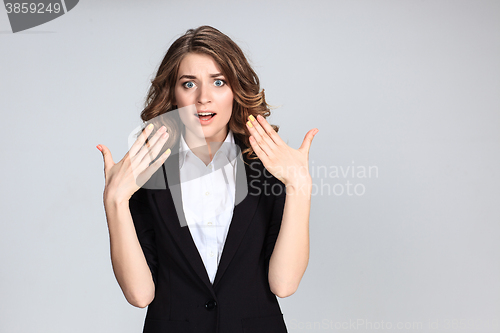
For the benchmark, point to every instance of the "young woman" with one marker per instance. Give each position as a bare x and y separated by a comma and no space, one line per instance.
223,271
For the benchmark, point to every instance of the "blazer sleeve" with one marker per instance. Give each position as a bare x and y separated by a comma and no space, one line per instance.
143,222
276,217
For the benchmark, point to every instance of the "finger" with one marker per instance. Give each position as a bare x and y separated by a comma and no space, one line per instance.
146,150
108,158
155,149
258,150
259,140
306,144
262,132
150,170
139,142
270,130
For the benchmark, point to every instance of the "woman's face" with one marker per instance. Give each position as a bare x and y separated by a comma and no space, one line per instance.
200,83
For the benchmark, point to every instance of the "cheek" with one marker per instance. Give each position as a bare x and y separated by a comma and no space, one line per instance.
228,99
181,97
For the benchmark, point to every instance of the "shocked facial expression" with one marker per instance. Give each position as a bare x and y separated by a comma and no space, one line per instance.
202,89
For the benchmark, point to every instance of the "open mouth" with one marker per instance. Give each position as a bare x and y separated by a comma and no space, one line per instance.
205,115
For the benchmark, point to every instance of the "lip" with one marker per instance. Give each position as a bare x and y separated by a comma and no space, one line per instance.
206,122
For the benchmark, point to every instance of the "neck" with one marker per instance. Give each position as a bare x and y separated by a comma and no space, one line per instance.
203,148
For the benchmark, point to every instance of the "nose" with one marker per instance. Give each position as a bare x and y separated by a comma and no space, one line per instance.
204,95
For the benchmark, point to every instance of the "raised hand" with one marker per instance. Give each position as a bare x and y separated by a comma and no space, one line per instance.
291,166
124,178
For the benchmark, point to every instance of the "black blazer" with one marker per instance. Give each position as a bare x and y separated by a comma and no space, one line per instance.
240,300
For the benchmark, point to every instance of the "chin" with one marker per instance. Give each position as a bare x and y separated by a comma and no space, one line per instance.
212,135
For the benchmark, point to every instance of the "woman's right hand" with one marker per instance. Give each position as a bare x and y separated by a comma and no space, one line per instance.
124,178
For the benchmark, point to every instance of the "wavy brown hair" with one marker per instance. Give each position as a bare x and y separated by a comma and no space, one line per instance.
243,81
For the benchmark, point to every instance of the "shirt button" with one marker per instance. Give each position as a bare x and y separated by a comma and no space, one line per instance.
209,223
211,253
207,193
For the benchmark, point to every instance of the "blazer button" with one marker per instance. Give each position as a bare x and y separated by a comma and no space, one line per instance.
210,305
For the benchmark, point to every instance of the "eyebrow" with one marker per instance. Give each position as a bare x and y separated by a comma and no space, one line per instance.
192,77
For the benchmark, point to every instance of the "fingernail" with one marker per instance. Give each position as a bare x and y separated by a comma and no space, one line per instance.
249,124
150,126
99,147
166,152
251,118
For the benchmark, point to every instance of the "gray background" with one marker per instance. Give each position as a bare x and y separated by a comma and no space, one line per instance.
411,87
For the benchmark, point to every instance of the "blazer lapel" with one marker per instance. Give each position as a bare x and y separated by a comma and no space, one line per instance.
246,201
174,218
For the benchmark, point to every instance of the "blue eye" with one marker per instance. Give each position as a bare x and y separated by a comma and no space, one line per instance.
189,84
219,83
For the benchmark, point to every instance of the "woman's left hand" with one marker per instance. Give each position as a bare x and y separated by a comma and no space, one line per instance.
291,166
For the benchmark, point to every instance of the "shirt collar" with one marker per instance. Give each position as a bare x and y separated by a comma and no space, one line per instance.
228,148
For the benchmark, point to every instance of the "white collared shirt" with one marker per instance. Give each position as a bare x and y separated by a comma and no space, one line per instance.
208,193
